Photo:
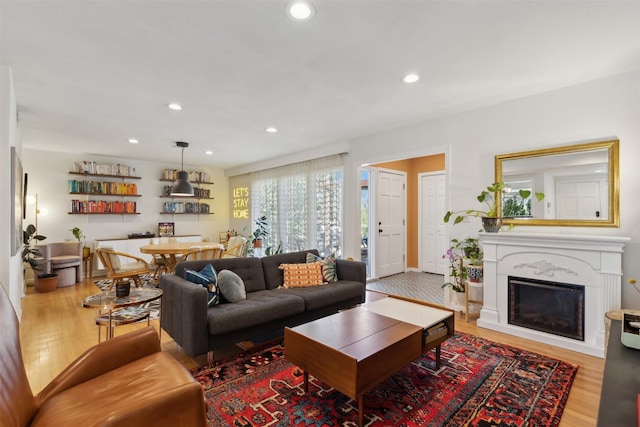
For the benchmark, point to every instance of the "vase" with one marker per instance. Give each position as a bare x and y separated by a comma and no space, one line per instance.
123,289
491,224
475,273
47,282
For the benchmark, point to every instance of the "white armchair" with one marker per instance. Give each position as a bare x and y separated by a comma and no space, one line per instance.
63,258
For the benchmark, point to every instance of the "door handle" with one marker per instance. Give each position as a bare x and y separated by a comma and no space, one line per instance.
379,230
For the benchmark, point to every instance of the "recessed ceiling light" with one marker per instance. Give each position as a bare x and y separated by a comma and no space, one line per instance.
271,129
411,78
208,152
175,106
301,10
133,140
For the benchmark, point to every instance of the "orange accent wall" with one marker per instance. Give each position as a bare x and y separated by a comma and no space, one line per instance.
413,167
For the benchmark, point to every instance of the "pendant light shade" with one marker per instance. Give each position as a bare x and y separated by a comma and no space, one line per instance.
182,186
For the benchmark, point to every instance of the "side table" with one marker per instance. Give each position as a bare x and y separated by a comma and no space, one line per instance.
88,265
108,304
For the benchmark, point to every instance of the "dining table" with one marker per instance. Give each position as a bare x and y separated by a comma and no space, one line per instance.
169,252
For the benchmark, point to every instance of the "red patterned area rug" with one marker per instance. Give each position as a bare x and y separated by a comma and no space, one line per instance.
479,383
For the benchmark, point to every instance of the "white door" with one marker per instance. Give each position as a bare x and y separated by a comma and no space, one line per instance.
579,200
390,217
431,245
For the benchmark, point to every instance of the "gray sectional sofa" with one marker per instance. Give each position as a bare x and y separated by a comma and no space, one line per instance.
200,329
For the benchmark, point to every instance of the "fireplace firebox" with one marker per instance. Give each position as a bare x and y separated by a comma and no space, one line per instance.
551,307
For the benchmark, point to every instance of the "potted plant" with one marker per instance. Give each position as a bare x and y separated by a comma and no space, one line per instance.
260,232
30,254
80,237
457,271
491,197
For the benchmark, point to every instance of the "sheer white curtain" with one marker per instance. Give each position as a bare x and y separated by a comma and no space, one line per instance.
303,204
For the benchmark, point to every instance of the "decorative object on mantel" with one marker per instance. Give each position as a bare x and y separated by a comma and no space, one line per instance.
491,222
182,186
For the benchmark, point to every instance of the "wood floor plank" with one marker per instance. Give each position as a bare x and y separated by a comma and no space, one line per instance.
55,330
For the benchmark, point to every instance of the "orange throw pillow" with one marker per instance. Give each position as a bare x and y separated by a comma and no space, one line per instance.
302,275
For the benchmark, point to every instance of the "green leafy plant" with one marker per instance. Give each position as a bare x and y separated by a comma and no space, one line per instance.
471,249
490,197
29,251
261,229
273,251
77,233
457,272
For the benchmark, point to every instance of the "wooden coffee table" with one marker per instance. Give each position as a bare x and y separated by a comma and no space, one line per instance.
354,350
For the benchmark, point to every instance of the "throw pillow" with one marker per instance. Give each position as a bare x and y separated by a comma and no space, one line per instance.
231,286
206,277
302,275
328,266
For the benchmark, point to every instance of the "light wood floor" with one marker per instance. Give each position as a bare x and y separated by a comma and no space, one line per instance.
55,329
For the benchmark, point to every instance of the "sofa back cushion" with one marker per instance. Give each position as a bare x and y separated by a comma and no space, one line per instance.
273,276
248,268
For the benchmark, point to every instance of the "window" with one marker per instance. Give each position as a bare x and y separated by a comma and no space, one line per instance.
303,205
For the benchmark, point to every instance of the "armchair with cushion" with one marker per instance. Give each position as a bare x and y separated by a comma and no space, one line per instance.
126,381
63,258
118,273
235,247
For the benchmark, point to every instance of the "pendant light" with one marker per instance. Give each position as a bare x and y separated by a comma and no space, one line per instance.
182,186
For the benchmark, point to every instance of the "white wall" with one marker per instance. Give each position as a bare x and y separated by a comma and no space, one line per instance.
10,264
49,175
599,110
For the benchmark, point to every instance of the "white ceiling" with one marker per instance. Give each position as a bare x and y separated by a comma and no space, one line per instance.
89,75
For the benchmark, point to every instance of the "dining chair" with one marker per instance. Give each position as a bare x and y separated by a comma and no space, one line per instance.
122,274
235,247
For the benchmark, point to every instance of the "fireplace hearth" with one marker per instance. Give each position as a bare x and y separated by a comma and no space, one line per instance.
552,307
593,263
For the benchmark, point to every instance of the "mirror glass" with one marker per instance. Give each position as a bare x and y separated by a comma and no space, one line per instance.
580,184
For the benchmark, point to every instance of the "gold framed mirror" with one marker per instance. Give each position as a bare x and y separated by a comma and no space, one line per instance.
580,183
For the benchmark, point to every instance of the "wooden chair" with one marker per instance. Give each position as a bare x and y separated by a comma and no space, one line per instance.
121,274
235,247
202,252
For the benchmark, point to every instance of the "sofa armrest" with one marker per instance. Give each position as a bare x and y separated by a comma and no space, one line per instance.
355,271
184,313
103,358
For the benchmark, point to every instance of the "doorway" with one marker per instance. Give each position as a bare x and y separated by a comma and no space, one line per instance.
412,168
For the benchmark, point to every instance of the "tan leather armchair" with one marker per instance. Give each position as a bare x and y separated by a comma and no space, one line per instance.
126,381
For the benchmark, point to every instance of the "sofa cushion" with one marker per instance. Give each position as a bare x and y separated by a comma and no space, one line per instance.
274,277
259,307
248,268
207,278
231,286
302,275
316,297
328,264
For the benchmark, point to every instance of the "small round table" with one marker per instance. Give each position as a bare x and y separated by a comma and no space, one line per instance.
107,301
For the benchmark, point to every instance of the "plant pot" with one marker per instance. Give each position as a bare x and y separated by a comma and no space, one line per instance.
86,251
123,289
47,282
459,300
491,224
475,273
257,244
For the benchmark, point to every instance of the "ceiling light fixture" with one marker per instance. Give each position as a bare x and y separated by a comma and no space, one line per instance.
271,129
182,186
133,141
175,106
411,78
208,152
301,10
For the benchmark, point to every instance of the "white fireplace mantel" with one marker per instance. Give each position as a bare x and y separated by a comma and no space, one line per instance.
592,261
